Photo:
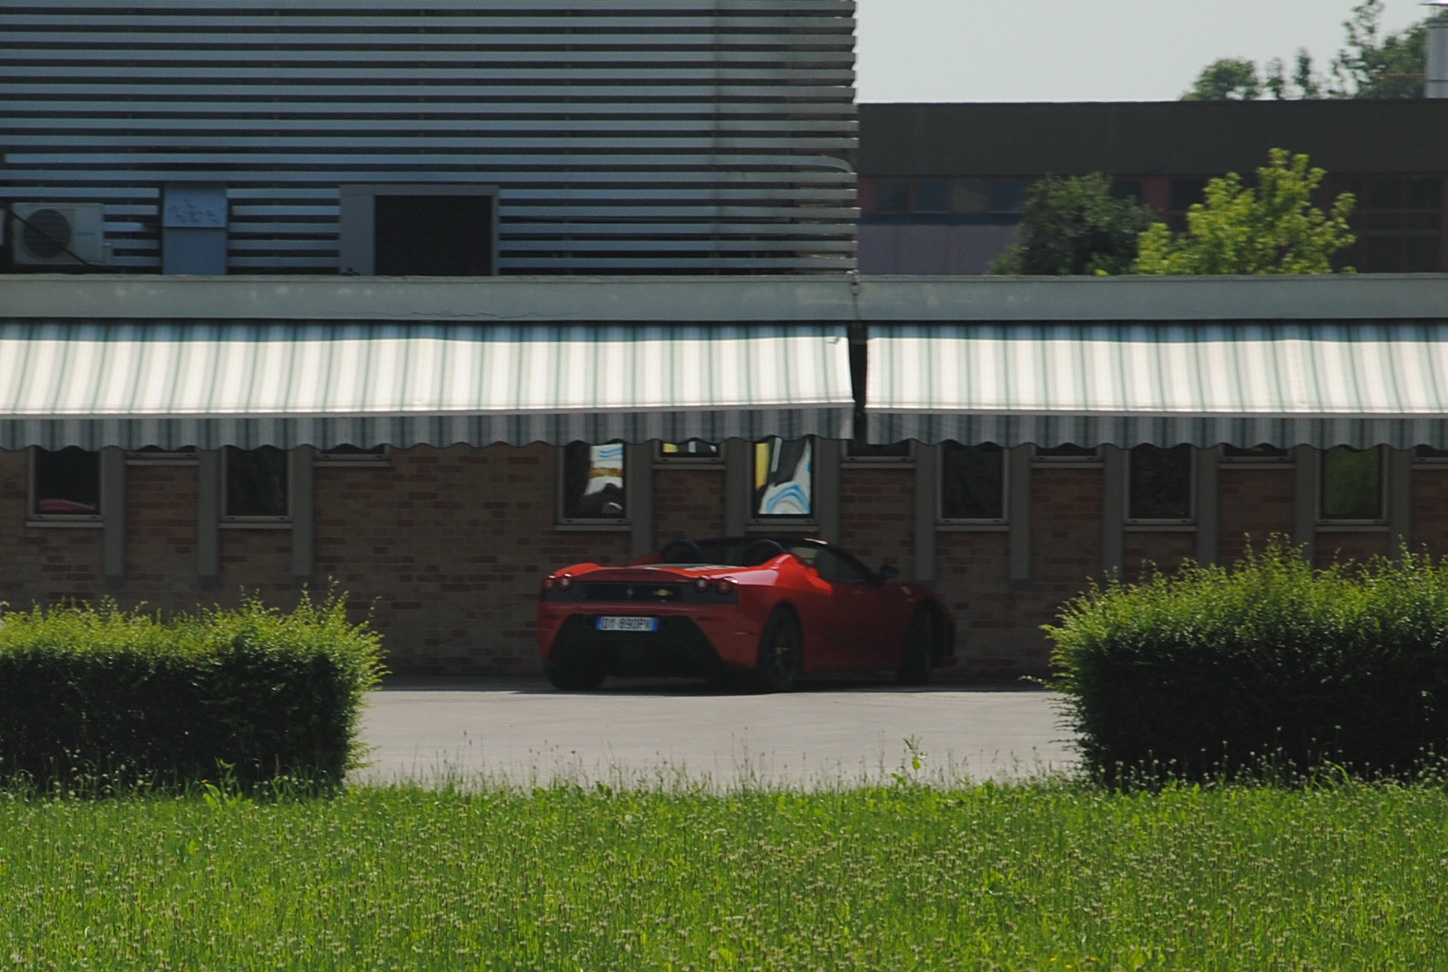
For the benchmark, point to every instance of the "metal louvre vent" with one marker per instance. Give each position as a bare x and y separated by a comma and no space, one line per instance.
659,136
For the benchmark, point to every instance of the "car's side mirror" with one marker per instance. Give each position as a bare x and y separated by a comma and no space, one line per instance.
887,572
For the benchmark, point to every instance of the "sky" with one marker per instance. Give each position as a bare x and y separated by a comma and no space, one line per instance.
1085,50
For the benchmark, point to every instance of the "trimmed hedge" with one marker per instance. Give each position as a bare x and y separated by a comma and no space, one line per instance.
1265,667
96,699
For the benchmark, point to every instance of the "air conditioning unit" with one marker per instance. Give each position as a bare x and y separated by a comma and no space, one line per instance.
58,234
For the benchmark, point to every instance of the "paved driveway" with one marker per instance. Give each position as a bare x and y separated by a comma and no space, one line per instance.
521,731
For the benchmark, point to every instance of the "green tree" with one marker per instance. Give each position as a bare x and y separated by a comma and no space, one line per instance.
1075,225
1375,66
1227,79
1270,228
1371,65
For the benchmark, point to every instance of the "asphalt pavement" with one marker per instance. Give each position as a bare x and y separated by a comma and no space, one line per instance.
522,732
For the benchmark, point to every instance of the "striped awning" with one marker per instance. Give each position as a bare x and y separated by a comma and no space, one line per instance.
1321,384
208,384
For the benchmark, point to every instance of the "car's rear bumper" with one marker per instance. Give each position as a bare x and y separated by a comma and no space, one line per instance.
680,646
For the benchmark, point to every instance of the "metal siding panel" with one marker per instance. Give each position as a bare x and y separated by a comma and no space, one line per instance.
717,101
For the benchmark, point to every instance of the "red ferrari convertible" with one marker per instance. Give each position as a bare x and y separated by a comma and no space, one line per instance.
761,609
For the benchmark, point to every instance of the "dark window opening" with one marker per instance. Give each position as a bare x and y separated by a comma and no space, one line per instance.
1159,483
433,235
67,482
972,482
255,484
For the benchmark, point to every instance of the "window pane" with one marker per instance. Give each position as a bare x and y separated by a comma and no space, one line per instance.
1426,193
784,477
256,481
970,196
1008,196
931,196
1264,452
67,482
693,449
892,196
876,450
1068,451
1160,486
1385,192
971,482
1185,192
1126,189
1352,484
593,481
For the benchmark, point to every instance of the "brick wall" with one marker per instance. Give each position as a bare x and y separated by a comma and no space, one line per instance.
688,501
449,546
1255,504
446,547
877,513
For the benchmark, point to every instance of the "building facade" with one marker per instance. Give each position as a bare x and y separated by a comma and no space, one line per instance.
433,448
942,186
425,300
457,137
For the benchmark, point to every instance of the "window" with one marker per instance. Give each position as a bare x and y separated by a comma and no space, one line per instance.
1398,223
1159,484
783,478
65,484
429,230
694,450
891,196
1352,485
879,452
254,484
158,456
350,455
931,196
972,483
592,483
970,196
1256,453
1068,453
1430,454
942,197
1008,196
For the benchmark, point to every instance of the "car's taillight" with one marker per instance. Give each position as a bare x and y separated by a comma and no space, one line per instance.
724,585
701,584
565,581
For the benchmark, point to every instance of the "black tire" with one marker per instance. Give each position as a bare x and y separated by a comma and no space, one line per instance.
781,653
918,652
574,677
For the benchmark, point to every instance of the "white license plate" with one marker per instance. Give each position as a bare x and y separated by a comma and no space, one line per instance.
628,624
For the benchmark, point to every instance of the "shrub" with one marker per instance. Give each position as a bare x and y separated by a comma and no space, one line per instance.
99,699
1265,666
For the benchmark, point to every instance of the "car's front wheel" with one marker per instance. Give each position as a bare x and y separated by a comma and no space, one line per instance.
574,677
781,653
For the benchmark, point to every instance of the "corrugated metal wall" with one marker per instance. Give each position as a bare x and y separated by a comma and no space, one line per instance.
625,135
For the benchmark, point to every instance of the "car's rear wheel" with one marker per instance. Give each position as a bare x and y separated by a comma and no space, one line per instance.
919,649
781,653
574,677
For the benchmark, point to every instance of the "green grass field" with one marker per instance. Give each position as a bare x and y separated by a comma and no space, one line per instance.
1031,876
